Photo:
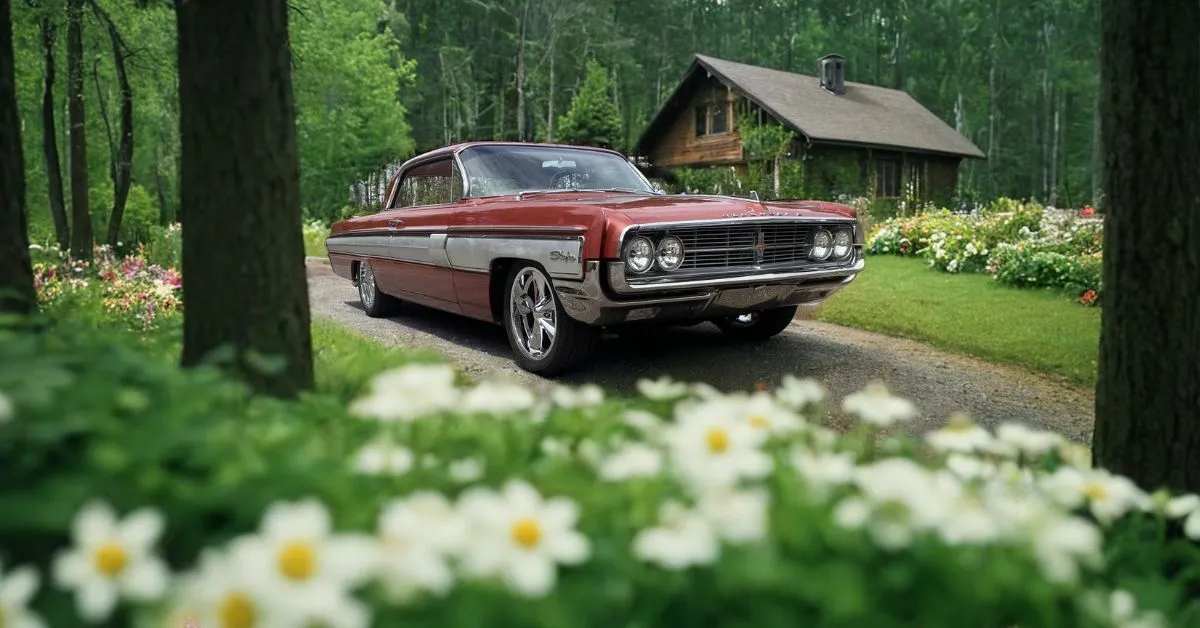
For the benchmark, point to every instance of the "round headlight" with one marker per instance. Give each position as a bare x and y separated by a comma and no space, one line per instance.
639,255
842,245
670,253
822,245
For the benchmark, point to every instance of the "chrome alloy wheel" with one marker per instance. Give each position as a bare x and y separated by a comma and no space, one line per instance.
533,313
366,285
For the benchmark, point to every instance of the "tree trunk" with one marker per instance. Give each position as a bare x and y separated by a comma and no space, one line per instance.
81,219
243,253
58,205
16,275
550,100
521,76
1149,371
123,157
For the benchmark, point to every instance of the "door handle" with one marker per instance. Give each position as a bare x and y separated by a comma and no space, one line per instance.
395,222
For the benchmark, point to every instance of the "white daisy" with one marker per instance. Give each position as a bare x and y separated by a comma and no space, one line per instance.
648,423
584,396
662,389
466,470
800,394
710,448
823,472
1108,496
16,589
877,406
736,516
682,538
297,552
383,457
497,397
960,434
761,411
1027,441
521,537
408,393
222,592
1063,544
417,535
111,559
632,460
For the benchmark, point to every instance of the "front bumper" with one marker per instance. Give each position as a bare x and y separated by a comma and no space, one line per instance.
590,301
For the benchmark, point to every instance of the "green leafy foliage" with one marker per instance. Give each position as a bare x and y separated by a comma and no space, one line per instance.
593,119
212,460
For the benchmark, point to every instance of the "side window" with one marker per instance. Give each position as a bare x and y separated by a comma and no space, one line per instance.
434,183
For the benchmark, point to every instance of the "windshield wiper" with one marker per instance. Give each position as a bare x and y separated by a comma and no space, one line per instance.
521,195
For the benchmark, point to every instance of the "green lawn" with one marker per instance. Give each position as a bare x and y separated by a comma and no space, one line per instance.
1042,330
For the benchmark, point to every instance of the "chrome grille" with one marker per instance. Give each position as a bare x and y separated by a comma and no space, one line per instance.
744,245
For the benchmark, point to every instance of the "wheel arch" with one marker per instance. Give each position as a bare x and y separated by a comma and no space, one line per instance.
498,274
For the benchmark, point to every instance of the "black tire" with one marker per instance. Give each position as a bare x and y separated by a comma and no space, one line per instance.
571,342
375,303
759,326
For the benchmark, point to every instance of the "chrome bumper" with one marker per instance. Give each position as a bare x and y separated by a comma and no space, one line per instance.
590,301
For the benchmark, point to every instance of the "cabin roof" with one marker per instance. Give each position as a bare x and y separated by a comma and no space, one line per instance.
866,115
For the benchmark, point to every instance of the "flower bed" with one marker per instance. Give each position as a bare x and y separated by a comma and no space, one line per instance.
147,493
1019,244
131,291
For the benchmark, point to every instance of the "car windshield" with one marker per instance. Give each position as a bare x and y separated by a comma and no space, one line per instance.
509,169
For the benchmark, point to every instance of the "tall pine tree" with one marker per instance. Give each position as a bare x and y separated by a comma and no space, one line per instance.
593,119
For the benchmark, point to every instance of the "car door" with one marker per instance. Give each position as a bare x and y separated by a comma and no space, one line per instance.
419,211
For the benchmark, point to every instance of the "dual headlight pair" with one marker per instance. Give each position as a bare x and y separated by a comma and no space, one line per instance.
641,255
828,245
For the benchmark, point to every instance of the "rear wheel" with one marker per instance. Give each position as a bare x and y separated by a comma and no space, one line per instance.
757,325
545,340
375,303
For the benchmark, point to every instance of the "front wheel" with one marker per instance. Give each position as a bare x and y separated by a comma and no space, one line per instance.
544,338
757,325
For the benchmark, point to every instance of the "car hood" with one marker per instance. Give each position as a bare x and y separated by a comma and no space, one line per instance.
632,210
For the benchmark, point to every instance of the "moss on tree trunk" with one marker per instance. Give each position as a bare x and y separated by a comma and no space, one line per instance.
243,252
1148,394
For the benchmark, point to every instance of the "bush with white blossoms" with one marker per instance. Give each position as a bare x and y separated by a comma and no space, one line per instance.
143,495
1019,244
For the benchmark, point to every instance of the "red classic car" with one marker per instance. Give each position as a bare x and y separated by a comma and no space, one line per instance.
557,243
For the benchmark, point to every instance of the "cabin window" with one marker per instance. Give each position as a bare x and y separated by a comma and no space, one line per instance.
887,178
434,183
712,118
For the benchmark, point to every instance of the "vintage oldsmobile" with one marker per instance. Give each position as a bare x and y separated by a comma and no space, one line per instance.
558,243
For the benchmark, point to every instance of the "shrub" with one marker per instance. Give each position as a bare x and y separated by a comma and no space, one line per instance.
315,232
432,503
137,220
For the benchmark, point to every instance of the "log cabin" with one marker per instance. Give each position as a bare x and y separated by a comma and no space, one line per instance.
851,138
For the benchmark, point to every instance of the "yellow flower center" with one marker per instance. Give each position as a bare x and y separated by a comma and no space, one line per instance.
1095,492
236,611
526,532
297,560
759,422
110,559
718,440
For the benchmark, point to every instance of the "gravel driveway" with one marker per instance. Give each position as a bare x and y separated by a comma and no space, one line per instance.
842,358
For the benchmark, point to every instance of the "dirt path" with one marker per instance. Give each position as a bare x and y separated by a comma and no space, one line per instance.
844,359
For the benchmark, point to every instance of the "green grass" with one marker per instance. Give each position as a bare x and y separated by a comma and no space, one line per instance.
345,361
1042,330
314,242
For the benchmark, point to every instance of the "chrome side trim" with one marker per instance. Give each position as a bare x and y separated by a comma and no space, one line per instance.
362,246
562,257
615,274
507,228
437,250
411,248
